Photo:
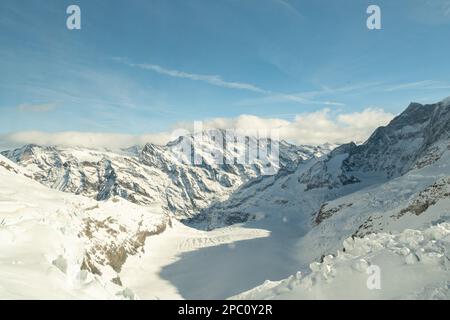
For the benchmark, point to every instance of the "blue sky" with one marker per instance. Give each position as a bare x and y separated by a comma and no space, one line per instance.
141,66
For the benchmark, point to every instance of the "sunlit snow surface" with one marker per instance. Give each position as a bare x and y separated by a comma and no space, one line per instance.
412,264
41,249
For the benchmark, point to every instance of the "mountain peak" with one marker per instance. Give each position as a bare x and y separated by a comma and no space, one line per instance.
446,102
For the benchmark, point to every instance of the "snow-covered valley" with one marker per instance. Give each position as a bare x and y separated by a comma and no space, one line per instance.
47,236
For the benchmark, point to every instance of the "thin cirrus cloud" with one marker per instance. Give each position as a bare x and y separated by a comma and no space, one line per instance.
312,97
425,85
305,128
39,108
289,7
280,98
211,79
218,81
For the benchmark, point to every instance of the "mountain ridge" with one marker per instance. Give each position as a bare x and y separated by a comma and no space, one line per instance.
148,175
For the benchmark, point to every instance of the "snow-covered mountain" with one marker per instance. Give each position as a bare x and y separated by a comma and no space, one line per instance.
416,138
417,141
64,246
398,179
154,175
145,222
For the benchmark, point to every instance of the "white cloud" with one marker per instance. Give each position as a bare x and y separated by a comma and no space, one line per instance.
306,128
312,128
320,127
369,118
242,122
80,139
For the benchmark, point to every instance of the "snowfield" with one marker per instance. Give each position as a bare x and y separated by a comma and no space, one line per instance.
40,253
55,245
42,247
184,263
412,264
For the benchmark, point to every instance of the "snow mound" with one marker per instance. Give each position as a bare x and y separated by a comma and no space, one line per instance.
411,264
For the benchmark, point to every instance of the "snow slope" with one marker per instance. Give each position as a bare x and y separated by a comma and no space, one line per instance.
418,199
44,245
412,264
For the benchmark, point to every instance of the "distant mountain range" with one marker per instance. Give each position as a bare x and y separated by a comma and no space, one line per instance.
151,174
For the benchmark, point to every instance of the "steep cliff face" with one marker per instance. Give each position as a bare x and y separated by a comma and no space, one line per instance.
398,147
416,138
